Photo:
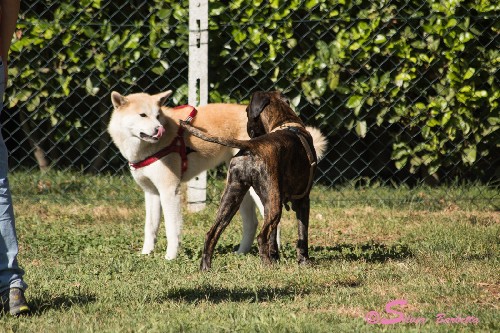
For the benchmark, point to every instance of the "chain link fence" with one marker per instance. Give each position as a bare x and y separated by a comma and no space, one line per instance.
406,91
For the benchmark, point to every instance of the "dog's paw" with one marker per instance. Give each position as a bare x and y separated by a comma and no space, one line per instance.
304,261
204,267
170,256
146,250
242,249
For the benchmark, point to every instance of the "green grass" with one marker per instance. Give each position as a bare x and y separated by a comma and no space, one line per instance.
80,240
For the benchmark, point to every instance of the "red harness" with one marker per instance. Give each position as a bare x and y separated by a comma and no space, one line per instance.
177,146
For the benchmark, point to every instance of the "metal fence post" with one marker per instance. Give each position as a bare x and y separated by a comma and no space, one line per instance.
198,86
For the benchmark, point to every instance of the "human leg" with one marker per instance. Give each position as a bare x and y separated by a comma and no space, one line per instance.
12,285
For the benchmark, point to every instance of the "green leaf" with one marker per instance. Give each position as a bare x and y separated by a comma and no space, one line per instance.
493,121
400,164
481,94
398,154
451,23
469,155
465,89
401,78
274,4
323,51
90,88
433,122
320,86
133,42
272,52
421,106
238,35
464,37
33,103
361,128
433,168
470,72
65,82
113,43
312,3
380,39
296,100
446,118
163,14
354,101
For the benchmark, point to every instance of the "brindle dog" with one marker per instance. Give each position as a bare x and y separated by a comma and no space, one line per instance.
278,162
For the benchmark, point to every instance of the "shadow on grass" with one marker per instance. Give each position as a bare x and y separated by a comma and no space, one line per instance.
40,305
219,295
369,252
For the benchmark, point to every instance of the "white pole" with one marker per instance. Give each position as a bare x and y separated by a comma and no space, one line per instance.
198,87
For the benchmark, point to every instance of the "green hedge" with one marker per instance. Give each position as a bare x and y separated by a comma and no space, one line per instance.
424,73
428,67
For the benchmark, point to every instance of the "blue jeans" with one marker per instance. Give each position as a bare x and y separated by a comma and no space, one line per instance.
11,275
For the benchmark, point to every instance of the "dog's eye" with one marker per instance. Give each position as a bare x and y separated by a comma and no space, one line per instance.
143,115
158,117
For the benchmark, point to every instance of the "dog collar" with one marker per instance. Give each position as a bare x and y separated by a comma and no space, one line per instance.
286,125
178,145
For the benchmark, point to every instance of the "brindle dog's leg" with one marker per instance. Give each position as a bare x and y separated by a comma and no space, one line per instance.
229,204
268,248
301,208
274,252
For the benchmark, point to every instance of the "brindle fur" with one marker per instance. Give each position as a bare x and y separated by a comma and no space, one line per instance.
275,164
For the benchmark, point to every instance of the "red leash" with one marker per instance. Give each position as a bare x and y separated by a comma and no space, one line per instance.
177,146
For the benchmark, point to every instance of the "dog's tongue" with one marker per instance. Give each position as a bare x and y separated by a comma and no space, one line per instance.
160,132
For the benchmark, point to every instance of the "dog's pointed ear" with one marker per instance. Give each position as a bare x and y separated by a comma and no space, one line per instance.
163,97
118,100
257,104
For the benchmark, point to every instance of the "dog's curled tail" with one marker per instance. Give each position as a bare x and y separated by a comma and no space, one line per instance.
222,141
319,141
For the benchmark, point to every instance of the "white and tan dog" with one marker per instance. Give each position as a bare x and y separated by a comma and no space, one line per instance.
141,126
